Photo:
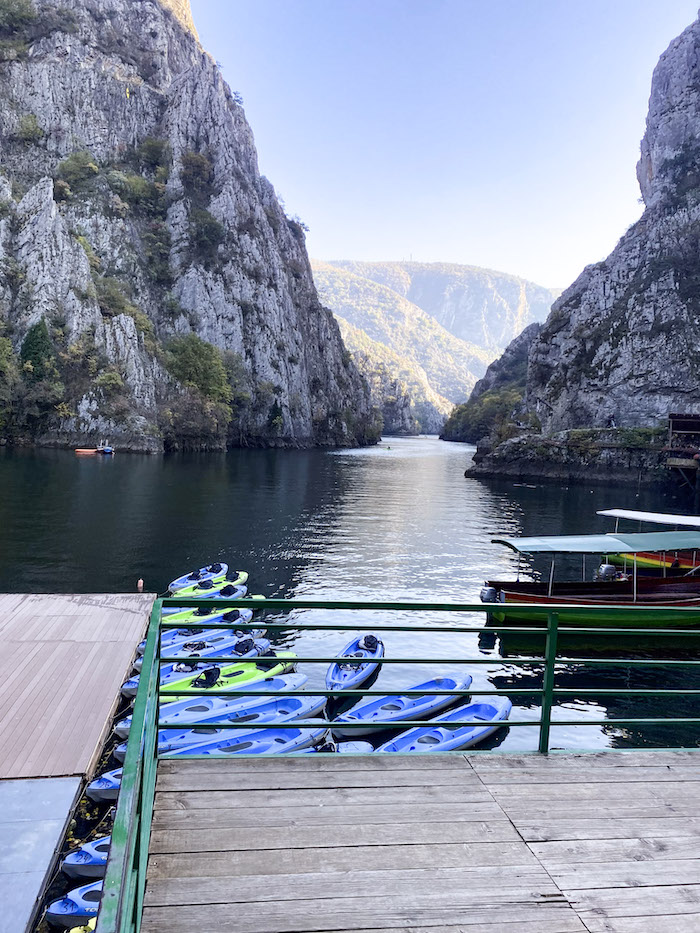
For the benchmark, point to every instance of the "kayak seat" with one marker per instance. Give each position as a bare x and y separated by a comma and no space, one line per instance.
231,749
232,616
195,645
215,568
228,590
429,739
392,707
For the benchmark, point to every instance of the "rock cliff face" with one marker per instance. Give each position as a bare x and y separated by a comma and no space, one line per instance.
399,387
496,395
152,289
622,344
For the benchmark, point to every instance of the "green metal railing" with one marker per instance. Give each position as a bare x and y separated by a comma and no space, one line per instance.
125,879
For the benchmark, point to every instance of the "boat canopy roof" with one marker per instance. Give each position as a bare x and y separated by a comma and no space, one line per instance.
605,544
655,518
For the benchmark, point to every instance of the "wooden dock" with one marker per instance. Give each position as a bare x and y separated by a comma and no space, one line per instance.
603,843
64,659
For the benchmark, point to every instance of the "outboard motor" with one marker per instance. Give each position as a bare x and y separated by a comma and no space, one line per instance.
488,594
606,573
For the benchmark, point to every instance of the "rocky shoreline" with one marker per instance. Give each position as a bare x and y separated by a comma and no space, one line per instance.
591,456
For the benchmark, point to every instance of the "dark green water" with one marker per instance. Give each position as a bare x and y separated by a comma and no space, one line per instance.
396,521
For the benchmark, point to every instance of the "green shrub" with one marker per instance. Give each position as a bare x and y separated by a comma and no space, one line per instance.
109,382
37,353
28,129
197,176
62,191
15,14
77,169
156,242
111,297
9,378
199,364
149,197
206,235
154,153
474,420
93,258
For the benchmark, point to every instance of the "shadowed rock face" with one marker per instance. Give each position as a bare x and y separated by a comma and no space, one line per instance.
623,342
162,227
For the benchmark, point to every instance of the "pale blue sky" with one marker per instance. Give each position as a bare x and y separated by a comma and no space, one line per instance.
499,133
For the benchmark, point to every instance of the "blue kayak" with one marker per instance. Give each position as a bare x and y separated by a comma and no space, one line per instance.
258,742
106,786
214,571
443,738
238,648
206,613
201,709
272,711
342,748
210,591
78,906
396,709
347,674
89,861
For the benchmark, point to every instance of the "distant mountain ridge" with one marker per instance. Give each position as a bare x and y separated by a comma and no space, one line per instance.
431,327
482,306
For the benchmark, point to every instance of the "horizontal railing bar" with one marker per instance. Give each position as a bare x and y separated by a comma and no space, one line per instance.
608,692
312,691
232,659
436,628
437,723
562,609
310,626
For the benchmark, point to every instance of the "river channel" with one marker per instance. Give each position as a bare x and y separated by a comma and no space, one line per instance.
398,521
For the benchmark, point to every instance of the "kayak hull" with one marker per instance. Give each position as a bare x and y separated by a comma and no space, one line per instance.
257,742
232,677
211,572
396,709
199,709
441,737
348,674
274,710
77,906
89,861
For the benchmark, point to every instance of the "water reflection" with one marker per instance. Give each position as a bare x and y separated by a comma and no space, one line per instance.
395,522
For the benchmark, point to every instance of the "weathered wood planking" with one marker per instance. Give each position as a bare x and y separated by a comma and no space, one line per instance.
65,658
599,843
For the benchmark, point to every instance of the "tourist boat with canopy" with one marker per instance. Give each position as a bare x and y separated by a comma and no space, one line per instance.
674,563
650,600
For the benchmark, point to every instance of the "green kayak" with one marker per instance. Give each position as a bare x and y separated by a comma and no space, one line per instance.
209,615
207,587
231,677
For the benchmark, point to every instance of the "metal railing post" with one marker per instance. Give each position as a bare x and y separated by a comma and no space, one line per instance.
550,656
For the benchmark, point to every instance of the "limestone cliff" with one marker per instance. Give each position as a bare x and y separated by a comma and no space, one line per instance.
621,347
152,289
622,344
399,387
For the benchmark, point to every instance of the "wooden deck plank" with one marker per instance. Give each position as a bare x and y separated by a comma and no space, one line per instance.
494,844
396,883
65,659
341,859
294,780
308,836
176,818
359,914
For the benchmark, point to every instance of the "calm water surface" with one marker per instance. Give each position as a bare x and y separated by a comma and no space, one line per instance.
398,521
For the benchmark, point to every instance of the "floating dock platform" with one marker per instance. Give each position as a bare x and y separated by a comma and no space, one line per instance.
64,660
458,843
